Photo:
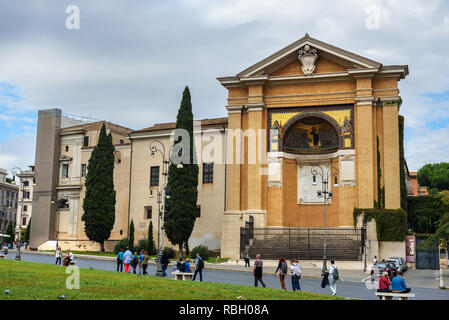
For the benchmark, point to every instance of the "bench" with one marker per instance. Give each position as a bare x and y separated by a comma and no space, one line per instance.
72,263
390,295
183,275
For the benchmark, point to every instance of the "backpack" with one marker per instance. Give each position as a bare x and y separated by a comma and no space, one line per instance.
183,267
201,264
284,267
336,277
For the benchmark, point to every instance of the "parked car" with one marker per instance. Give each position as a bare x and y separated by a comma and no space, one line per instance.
398,262
402,263
380,267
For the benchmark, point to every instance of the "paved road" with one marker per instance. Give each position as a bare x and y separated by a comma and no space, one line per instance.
347,289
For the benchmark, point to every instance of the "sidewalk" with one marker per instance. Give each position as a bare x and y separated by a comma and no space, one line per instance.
269,266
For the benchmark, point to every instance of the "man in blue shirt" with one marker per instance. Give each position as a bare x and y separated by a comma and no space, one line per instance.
398,284
198,267
187,266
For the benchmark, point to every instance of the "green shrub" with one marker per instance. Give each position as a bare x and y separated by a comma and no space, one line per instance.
122,244
202,250
170,252
391,224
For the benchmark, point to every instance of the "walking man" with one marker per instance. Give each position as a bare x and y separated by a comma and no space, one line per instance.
246,259
199,265
333,277
257,272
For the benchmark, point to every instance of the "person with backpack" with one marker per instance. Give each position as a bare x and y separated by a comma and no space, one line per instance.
134,262
282,268
295,269
333,277
177,266
246,259
199,265
145,261
164,262
140,263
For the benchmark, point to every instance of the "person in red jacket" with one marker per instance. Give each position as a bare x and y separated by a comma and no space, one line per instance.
384,283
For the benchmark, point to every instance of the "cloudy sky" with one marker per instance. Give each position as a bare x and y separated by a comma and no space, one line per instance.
130,60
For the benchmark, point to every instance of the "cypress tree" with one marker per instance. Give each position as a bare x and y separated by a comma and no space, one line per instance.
151,245
99,201
27,232
181,209
131,235
10,233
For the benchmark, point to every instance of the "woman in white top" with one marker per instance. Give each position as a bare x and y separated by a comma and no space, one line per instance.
58,256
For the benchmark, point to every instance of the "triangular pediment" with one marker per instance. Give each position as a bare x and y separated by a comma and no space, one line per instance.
329,59
65,159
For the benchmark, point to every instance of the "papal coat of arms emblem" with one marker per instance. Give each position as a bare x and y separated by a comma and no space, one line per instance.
307,56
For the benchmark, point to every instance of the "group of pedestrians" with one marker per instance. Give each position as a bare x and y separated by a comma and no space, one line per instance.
128,259
185,266
329,278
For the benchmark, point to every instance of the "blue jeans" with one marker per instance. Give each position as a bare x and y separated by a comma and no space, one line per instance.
58,261
295,283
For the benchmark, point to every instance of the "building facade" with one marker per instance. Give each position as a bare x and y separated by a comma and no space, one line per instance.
308,104
9,195
27,181
316,104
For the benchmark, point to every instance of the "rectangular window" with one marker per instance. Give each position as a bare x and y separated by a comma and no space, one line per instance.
154,176
25,208
148,212
121,141
66,148
208,172
65,171
24,221
83,170
86,142
198,211
26,183
26,194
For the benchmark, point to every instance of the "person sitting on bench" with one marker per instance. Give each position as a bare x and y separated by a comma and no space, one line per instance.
398,284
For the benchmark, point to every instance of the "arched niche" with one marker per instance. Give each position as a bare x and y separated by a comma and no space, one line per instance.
311,133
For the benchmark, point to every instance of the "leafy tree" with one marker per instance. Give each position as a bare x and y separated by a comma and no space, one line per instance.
434,176
131,235
99,201
181,209
27,232
151,246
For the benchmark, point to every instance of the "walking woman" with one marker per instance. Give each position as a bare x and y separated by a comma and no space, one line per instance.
282,268
58,256
120,261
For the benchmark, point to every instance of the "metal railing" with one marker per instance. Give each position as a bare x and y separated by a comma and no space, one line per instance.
302,243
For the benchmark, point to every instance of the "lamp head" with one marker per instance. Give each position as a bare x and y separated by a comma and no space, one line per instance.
318,193
179,166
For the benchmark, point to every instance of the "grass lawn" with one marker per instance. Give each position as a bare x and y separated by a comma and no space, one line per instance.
31,281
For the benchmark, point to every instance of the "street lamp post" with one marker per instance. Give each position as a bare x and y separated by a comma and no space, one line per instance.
158,146
317,170
18,172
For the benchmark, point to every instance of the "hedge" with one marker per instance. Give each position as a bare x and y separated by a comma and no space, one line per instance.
391,224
